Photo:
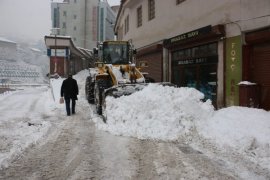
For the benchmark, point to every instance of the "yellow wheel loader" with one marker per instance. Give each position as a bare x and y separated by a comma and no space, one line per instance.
114,74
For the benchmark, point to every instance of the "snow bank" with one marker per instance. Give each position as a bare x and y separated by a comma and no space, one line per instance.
22,120
156,112
56,87
244,129
170,113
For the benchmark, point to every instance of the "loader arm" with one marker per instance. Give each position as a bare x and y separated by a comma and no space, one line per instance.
113,78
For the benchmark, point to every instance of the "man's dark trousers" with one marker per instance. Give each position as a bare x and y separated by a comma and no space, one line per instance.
73,103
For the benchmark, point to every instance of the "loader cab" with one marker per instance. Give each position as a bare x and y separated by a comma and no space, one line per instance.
116,52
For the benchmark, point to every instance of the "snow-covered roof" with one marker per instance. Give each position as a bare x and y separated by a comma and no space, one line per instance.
6,40
34,49
246,83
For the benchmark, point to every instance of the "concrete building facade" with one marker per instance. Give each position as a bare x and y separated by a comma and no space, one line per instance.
106,21
209,45
85,21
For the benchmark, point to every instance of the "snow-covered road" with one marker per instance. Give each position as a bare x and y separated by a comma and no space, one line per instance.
38,141
74,149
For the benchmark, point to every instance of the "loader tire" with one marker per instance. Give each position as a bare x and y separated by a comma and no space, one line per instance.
89,90
100,85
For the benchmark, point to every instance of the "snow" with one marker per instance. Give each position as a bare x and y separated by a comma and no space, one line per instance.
35,49
6,40
156,112
246,130
246,83
22,125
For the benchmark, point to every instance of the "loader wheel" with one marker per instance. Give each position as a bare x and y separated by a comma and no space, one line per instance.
89,90
99,88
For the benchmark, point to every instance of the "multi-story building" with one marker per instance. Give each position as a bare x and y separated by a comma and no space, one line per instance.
106,21
209,45
85,21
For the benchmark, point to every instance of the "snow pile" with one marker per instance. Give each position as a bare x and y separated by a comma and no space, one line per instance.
244,129
158,112
56,87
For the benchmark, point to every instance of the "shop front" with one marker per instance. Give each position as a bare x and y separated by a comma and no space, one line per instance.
257,63
197,67
194,60
65,57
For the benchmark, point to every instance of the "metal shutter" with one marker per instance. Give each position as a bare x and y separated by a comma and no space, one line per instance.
260,69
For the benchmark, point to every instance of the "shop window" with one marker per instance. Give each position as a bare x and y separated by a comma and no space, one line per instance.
190,79
187,53
212,49
195,51
208,81
196,67
151,9
203,50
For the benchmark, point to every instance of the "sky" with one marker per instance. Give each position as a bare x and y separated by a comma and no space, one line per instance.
28,19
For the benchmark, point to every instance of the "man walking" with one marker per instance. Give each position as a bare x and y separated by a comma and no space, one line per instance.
69,90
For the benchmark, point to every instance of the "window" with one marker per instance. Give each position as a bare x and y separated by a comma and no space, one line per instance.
55,17
64,25
139,16
151,9
206,50
74,39
64,13
75,16
127,24
75,1
179,1
74,28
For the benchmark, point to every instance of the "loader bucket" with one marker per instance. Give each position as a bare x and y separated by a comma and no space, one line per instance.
124,89
128,89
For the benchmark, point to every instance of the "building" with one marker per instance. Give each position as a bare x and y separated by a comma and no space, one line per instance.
106,21
65,57
77,19
210,45
86,21
8,49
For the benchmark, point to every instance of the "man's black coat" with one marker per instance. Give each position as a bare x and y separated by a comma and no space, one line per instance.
69,89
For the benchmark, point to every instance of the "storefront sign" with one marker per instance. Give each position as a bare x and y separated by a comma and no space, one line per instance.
58,52
233,69
202,60
188,35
